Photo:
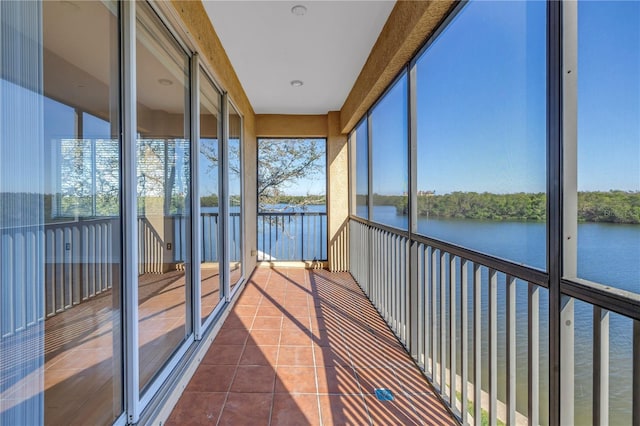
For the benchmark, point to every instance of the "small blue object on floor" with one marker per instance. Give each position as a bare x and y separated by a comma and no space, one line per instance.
384,395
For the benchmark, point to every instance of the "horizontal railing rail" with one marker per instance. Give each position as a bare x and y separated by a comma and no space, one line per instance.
292,236
479,326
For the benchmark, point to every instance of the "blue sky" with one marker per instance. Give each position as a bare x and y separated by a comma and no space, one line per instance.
481,103
481,106
609,95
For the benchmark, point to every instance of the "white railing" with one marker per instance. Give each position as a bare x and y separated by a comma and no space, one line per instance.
82,261
479,326
291,236
79,262
79,265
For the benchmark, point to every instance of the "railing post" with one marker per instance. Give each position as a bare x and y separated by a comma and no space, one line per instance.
464,336
452,332
477,343
511,350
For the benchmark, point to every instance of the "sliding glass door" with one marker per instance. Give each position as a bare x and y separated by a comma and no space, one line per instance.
163,186
98,292
209,187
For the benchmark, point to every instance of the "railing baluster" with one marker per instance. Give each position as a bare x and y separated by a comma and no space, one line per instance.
635,416
385,290
566,356
533,336
443,325
389,280
272,231
600,366
59,239
320,239
407,296
464,335
434,313
420,305
493,346
405,292
477,343
399,285
394,284
427,317
511,349
452,332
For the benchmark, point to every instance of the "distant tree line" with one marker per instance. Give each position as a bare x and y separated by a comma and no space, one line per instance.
299,199
608,207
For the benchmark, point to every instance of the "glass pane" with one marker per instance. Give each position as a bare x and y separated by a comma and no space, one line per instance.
235,195
60,313
22,198
209,189
608,151
361,173
390,168
164,217
292,210
83,350
481,123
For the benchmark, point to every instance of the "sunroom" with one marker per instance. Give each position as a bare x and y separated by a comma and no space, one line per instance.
476,259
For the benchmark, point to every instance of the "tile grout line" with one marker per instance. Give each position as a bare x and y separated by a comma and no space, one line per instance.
313,350
275,376
244,347
273,387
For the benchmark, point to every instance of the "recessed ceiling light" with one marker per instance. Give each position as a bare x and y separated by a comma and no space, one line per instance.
165,82
296,83
298,10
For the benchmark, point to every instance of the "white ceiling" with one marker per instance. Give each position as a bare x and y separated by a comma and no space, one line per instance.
269,47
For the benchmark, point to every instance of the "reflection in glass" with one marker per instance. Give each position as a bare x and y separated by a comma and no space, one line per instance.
235,196
83,361
164,217
390,168
209,189
608,148
361,174
481,123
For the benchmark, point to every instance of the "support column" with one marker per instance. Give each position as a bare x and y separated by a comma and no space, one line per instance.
337,195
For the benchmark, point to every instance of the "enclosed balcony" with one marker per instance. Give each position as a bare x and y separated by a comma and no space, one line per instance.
319,212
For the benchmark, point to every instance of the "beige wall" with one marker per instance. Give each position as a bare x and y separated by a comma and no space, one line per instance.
337,194
291,126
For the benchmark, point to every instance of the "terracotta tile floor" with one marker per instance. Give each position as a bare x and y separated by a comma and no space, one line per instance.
306,347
